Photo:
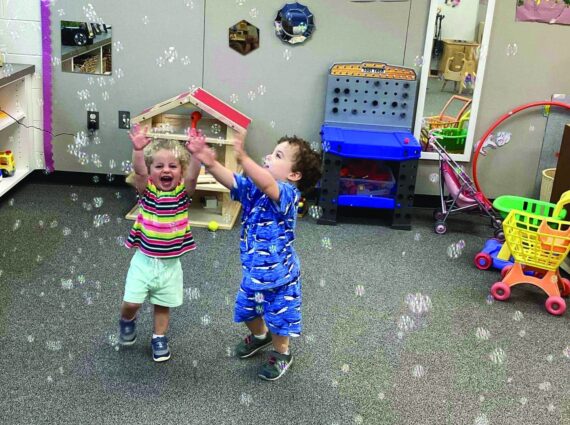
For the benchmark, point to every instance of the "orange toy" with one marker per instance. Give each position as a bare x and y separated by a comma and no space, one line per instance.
539,245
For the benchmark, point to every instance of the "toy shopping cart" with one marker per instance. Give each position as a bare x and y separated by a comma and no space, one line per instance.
498,255
462,195
444,121
538,245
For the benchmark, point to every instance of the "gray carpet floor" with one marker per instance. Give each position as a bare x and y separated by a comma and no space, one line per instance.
396,330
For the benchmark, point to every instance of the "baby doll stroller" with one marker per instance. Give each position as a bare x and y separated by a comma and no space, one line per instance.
462,195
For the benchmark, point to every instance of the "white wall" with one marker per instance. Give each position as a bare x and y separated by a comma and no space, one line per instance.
20,34
460,21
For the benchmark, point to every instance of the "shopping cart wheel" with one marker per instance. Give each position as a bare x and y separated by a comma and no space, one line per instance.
505,271
438,215
500,235
565,287
440,228
500,291
555,305
483,261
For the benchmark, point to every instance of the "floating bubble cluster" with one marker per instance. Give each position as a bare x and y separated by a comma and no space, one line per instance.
498,356
418,303
456,249
511,49
482,334
316,211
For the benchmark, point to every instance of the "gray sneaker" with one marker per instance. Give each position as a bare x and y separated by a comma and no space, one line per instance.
276,366
251,345
160,350
127,332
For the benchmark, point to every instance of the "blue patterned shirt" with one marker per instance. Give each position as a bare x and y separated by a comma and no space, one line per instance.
267,254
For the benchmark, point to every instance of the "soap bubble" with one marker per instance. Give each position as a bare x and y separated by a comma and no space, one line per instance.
512,49
316,211
234,98
145,20
118,46
498,356
434,177
419,60
251,95
185,60
245,399
254,13
261,89
240,2
482,334
359,290
287,54
326,243
418,371
171,54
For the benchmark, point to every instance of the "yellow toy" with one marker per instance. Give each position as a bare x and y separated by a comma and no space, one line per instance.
7,164
213,226
539,245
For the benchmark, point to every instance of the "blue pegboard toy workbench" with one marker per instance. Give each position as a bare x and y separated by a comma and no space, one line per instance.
369,113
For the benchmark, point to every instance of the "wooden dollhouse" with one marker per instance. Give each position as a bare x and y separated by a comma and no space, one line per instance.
219,122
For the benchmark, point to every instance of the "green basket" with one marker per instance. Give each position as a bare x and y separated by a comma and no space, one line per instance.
504,204
451,139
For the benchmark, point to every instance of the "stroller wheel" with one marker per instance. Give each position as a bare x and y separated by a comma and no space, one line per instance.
440,228
500,235
438,215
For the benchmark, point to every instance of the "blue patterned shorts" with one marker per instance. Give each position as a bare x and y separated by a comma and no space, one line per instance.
280,307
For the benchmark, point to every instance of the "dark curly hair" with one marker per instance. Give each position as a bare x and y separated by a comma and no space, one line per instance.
306,161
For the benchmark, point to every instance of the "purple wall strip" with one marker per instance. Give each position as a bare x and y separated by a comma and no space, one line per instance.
47,82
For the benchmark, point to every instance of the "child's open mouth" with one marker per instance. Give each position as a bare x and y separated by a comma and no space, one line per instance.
166,180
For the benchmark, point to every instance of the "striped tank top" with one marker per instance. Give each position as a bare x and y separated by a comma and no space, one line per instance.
162,228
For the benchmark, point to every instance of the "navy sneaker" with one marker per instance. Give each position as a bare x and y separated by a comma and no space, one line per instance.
276,366
127,332
160,350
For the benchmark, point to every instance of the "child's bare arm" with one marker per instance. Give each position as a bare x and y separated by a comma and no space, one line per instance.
191,177
259,175
197,146
139,140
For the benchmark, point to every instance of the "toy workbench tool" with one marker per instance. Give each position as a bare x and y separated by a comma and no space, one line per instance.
370,153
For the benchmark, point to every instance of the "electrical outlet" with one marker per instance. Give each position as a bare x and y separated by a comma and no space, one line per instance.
92,120
124,120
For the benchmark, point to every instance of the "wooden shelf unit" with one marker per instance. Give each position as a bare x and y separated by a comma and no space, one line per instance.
16,99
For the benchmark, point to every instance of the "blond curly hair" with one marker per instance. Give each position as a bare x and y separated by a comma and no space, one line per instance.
174,146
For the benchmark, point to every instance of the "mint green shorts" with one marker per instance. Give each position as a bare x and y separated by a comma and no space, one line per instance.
159,279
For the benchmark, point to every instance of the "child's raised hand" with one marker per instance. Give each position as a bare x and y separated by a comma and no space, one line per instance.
138,137
197,146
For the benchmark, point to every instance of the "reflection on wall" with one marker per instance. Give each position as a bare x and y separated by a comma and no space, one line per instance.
86,47
243,37
453,74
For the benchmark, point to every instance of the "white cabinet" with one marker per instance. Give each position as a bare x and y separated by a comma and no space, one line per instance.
16,102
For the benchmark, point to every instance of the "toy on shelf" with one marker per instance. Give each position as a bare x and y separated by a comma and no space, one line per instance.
462,194
369,110
219,122
7,163
539,245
